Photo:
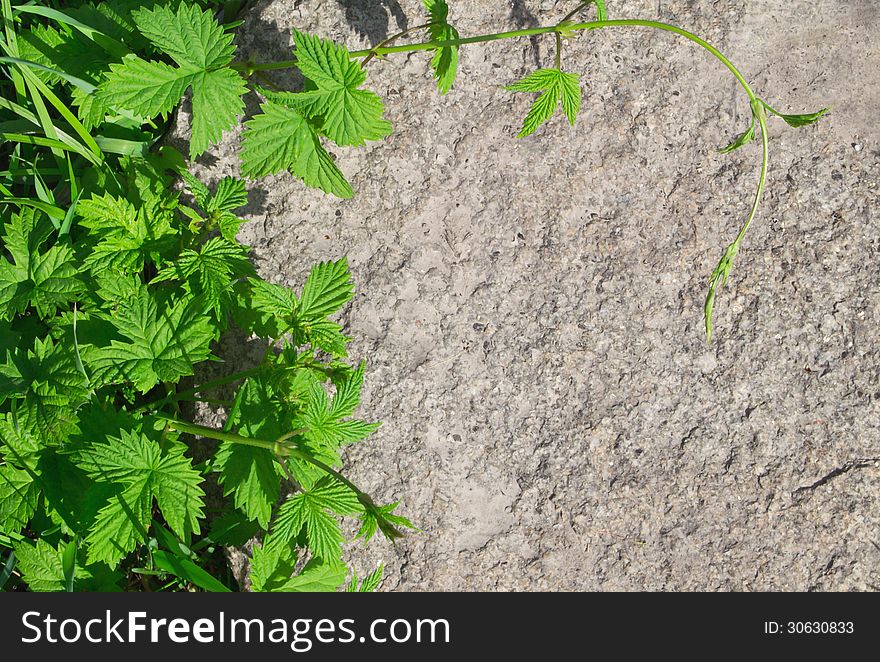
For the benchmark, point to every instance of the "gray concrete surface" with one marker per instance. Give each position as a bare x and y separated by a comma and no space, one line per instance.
531,310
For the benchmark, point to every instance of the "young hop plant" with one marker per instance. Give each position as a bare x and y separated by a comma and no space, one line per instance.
121,276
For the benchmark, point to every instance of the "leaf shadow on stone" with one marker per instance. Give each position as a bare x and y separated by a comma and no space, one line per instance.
369,18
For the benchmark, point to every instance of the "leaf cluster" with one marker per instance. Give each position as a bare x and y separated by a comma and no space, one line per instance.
121,280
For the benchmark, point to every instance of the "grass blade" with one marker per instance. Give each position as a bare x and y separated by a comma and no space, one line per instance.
104,41
8,567
188,571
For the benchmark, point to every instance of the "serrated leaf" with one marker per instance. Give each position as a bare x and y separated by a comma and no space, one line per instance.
42,567
217,103
44,279
269,569
281,138
348,394
120,525
326,427
302,511
322,334
252,477
445,60
202,49
211,271
348,115
717,281
318,576
369,584
557,88
229,195
438,10
125,235
49,385
177,488
327,289
200,192
143,470
163,346
18,498
229,225
17,444
382,518
145,88
191,36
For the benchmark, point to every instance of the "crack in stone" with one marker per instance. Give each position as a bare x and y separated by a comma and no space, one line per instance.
862,463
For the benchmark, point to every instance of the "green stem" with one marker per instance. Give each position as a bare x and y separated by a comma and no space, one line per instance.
512,34
278,448
558,51
392,39
214,383
568,28
762,180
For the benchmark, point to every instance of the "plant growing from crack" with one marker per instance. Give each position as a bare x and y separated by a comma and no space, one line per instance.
114,293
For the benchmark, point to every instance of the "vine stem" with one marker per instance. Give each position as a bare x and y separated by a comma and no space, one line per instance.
278,448
560,30
214,383
249,67
403,33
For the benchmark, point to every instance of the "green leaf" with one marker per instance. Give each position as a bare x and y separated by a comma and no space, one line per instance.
50,385
211,271
556,87
120,525
324,421
187,570
798,120
163,345
281,138
438,10
142,470
125,235
741,140
217,103
327,289
229,195
303,511
322,334
382,518
269,569
145,88
42,566
200,192
18,498
201,48
46,280
348,115
192,37
252,476
17,444
717,281
369,584
445,60
348,394
318,576
269,309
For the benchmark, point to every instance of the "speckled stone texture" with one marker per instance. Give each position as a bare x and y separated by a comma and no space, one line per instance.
531,310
